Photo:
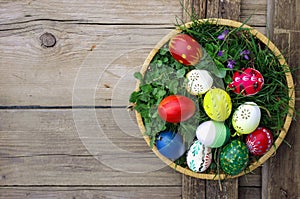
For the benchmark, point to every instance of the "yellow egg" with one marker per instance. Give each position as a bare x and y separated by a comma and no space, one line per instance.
217,104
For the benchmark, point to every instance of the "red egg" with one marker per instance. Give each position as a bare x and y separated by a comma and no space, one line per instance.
247,81
259,141
176,108
185,49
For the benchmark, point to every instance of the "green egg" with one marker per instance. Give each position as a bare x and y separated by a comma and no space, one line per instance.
234,157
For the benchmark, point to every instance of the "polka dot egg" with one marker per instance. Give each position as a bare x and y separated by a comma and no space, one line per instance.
259,141
234,157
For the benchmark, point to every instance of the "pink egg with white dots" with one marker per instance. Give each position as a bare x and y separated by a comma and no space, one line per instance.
259,141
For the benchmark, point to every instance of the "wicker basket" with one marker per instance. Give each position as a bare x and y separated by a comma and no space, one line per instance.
287,122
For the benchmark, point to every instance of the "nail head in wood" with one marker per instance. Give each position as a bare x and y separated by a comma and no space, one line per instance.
48,40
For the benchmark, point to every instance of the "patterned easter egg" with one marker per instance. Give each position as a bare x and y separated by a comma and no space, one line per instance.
213,134
170,144
185,49
217,104
259,141
198,157
234,157
199,81
246,118
247,82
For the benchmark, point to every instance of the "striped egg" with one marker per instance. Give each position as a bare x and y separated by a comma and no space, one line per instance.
217,104
234,157
213,134
199,157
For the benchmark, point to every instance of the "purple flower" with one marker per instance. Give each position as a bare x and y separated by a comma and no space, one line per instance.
230,63
245,53
223,34
220,53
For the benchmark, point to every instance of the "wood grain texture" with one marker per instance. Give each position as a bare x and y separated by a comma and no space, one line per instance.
47,147
120,34
251,180
90,192
91,11
250,192
230,9
282,179
50,76
229,189
287,15
193,188
255,11
193,7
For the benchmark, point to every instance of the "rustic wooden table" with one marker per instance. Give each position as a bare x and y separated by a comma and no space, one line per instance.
66,74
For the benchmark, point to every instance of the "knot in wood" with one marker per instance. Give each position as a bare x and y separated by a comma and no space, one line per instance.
48,40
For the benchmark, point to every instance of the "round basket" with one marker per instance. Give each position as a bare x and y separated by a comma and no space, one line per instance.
288,119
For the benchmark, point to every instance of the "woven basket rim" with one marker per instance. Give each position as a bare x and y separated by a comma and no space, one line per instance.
288,119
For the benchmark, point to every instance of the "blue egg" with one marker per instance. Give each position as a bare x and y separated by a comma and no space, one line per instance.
170,144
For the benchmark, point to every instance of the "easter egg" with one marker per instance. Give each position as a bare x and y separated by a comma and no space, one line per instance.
247,82
246,118
170,144
199,81
259,141
217,104
176,108
234,157
185,49
213,134
198,157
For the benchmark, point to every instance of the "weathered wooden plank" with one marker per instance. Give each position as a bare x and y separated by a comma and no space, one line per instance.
192,7
90,11
286,15
228,9
213,9
79,147
251,180
283,177
227,189
33,75
90,192
255,20
193,188
255,11
250,192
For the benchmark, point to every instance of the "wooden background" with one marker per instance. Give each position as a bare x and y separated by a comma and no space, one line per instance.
66,74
